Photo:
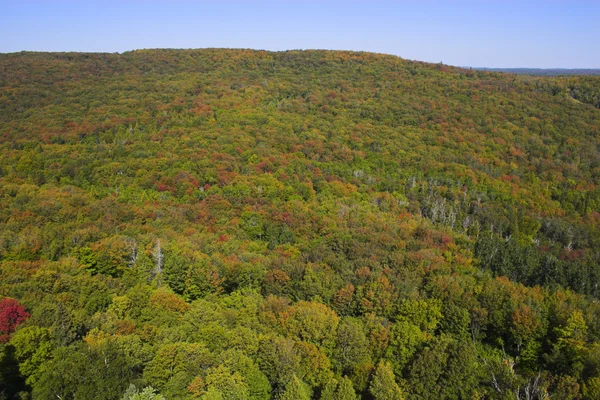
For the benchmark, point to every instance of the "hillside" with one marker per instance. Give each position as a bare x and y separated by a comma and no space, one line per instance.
238,224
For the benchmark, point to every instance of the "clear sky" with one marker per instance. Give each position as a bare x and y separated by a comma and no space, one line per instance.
491,33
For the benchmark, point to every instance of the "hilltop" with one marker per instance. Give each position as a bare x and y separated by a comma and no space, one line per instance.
298,224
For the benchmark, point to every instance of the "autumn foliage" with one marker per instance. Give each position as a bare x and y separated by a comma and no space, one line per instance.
224,224
12,314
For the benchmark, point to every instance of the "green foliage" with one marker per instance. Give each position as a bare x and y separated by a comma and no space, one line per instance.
148,393
339,390
278,359
296,390
312,322
383,385
405,340
175,365
424,314
591,389
222,383
105,372
33,347
352,348
253,377
246,224
426,373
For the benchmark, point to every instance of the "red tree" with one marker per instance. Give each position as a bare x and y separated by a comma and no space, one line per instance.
11,315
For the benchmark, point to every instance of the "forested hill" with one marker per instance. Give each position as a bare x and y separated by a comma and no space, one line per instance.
546,71
237,224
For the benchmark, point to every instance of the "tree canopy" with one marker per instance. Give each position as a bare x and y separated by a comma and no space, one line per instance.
223,224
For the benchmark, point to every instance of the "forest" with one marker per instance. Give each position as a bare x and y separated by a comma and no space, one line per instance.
237,224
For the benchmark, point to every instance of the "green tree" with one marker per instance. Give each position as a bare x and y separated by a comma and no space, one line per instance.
296,390
78,372
33,347
339,390
351,354
221,382
426,372
591,389
175,365
383,385
405,340
148,393
258,384
345,390
278,358
312,322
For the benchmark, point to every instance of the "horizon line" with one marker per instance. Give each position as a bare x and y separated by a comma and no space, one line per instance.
302,49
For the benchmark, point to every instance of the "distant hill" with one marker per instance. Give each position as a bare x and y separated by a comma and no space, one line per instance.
239,224
543,71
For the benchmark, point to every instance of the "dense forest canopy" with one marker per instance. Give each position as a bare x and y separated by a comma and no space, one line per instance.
237,224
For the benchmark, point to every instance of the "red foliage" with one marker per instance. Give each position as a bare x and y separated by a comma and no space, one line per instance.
12,314
571,255
161,187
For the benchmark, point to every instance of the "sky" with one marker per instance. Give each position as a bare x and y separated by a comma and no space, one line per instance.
485,33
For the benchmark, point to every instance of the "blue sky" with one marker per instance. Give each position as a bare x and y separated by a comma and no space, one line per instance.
490,33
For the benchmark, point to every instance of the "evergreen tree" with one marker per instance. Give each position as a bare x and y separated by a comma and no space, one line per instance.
339,390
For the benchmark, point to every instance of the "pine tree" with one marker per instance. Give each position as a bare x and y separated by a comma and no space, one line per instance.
345,390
